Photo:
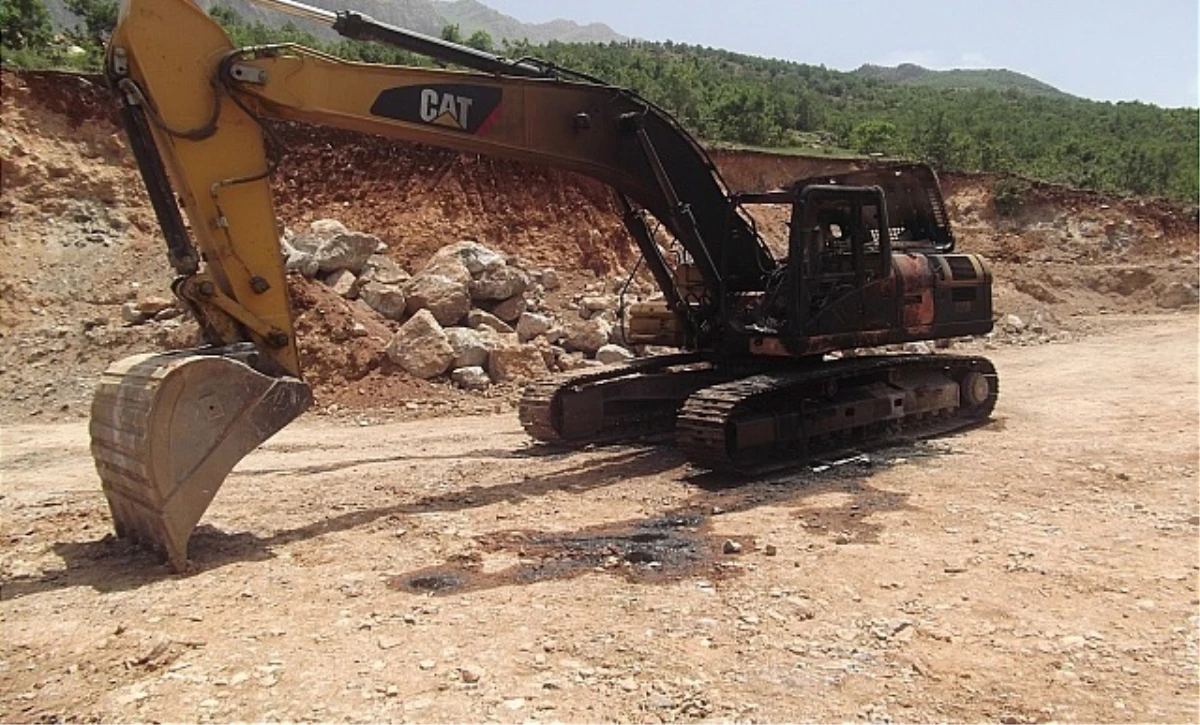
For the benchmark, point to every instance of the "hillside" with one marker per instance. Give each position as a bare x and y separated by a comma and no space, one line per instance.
984,79
731,98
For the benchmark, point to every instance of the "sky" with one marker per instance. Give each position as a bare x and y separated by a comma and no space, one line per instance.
1107,50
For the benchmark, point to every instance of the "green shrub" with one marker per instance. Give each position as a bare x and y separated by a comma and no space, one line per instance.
1009,195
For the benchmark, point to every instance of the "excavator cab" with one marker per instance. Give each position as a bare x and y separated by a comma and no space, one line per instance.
840,238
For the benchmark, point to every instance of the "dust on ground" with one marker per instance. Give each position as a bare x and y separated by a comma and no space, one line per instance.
1039,568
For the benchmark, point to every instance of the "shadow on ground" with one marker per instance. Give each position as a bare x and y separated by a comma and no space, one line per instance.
674,544
111,564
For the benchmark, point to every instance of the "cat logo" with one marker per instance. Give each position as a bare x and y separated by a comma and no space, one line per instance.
448,110
454,106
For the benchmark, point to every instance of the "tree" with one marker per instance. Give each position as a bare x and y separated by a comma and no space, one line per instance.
99,20
934,141
480,40
24,24
226,16
874,136
452,33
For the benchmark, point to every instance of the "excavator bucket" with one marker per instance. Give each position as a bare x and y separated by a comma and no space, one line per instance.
168,428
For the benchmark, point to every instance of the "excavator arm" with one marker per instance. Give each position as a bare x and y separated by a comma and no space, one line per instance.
167,429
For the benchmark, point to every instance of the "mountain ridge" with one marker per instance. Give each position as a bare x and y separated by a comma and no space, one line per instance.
423,16
993,79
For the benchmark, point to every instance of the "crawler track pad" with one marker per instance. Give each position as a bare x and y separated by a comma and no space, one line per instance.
167,429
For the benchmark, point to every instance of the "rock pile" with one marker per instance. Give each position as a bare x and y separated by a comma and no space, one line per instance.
471,313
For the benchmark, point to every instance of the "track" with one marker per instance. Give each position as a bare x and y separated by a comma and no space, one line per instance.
625,402
774,419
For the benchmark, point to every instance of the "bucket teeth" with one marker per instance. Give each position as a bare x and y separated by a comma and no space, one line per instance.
167,429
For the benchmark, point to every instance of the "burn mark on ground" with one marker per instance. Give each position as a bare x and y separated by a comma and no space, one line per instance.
648,551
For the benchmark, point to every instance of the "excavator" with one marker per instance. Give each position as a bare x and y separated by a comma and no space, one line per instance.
768,371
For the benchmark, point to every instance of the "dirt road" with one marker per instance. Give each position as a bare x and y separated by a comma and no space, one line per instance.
1042,567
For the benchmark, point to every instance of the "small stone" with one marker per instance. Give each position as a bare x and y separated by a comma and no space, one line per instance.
610,353
530,325
131,314
471,378
151,306
770,550
427,664
386,299
1012,323
731,547
511,309
470,674
342,281
389,642
842,538
479,318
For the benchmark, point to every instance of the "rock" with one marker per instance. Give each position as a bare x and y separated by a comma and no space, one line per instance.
379,268
299,261
842,539
349,250
516,362
326,229
1176,295
1012,323
479,318
609,354
343,282
498,284
474,258
731,547
587,336
549,279
573,361
470,674
386,642
770,550
597,303
420,346
131,314
426,664
511,309
530,325
388,300
446,298
153,306
469,347
917,348
471,378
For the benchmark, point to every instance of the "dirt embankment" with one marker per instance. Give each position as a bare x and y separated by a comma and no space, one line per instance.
79,240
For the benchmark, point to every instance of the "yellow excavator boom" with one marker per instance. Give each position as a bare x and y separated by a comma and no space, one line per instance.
166,429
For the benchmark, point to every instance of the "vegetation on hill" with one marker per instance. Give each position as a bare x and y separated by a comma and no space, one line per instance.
962,79
1131,148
